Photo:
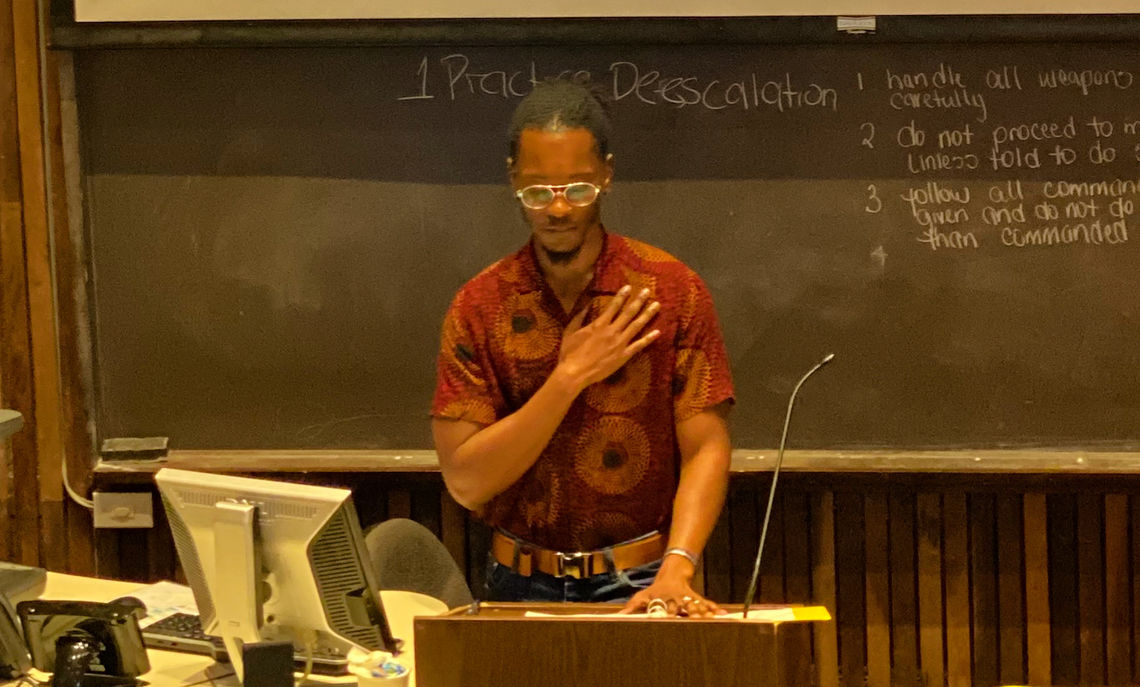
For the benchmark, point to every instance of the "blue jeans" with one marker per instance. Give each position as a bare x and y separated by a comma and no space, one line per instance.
504,584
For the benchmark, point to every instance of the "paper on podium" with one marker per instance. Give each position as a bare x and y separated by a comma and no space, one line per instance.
762,614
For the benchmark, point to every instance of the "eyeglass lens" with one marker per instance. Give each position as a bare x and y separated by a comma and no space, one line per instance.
577,194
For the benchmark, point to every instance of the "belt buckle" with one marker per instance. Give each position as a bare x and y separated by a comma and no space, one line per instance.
574,564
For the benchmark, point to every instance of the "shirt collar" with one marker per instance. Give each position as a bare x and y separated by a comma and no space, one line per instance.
608,276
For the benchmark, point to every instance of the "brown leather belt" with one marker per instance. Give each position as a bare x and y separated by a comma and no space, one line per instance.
525,558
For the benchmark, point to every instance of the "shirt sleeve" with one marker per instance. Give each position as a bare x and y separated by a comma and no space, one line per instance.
464,389
702,377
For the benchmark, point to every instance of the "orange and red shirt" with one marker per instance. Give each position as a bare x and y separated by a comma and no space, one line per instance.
610,472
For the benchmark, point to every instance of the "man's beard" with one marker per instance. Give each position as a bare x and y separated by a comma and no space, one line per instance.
561,257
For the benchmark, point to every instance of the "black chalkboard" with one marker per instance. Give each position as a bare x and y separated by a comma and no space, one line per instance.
276,233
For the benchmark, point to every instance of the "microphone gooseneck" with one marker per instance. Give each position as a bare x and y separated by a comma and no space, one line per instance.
775,475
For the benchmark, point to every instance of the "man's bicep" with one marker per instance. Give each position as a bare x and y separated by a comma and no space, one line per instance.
465,388
448,435
704,432
702,378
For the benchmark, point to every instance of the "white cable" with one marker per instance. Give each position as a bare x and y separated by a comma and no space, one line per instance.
310,639
75,496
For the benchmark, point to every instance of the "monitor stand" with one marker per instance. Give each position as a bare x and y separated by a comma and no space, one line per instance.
237,599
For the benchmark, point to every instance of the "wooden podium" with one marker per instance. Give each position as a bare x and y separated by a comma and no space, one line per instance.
501,646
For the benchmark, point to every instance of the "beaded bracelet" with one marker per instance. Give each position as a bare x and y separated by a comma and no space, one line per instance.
684,553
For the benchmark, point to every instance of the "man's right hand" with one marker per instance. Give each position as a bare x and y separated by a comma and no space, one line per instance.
595,351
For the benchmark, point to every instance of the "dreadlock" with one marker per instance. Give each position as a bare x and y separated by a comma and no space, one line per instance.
557,104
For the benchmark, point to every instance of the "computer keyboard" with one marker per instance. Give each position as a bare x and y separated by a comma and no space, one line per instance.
183,632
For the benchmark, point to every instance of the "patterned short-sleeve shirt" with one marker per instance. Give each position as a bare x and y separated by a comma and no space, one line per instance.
610,472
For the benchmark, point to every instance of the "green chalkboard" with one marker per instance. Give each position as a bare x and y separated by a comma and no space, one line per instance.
276,233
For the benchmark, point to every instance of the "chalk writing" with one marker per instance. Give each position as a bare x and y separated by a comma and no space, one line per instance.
1085,80
931,122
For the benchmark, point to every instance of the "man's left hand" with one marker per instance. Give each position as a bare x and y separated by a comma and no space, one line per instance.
679,597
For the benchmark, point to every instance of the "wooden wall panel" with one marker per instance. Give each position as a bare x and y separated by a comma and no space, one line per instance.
878,589
959,641
797,548
928,523
825,640
38,149
1010,590
983,589
40,285
772,567
1062,538
1118,603
75,351
850,613
1090,587
744,525
453,521
1038,635
904,611
16,363
717,559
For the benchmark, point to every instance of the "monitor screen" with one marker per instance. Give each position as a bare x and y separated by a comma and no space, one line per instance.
270,561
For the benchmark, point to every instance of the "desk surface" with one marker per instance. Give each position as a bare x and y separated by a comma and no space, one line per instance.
176,669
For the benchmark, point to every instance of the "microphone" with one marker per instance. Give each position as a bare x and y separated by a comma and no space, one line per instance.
775,475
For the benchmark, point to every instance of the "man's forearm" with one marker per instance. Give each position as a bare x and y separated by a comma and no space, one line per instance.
706,454
496,456
699,500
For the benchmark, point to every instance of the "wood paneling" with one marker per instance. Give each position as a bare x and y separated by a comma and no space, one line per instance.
955,588
825,640
39,258
983,589
850,614
1062,538
959,642
1118,603
1090,587
878,590
1010,590
1038,635
928,522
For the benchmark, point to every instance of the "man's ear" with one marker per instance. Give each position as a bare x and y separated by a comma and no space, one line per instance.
510,169
609,171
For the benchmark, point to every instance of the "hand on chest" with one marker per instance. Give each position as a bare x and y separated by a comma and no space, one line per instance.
529,331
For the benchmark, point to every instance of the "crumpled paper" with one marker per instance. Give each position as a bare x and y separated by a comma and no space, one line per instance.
375,665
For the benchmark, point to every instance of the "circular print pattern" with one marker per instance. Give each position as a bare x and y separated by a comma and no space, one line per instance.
604,528
472,409
649,253
624,389
691,379
639,281
542,509
526,331
613,455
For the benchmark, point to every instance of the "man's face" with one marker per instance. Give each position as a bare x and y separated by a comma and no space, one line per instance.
560,157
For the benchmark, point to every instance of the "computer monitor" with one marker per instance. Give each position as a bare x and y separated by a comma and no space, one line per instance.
271,560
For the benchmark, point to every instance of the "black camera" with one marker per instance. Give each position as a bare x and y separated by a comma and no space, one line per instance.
85,643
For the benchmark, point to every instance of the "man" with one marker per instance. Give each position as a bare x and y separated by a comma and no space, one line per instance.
583,388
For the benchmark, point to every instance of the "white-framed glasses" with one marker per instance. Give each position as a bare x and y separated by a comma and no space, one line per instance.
540,196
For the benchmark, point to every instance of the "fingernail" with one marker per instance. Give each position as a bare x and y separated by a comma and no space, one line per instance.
624,290
644,293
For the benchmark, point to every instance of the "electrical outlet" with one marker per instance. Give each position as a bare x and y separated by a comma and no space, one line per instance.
123,509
